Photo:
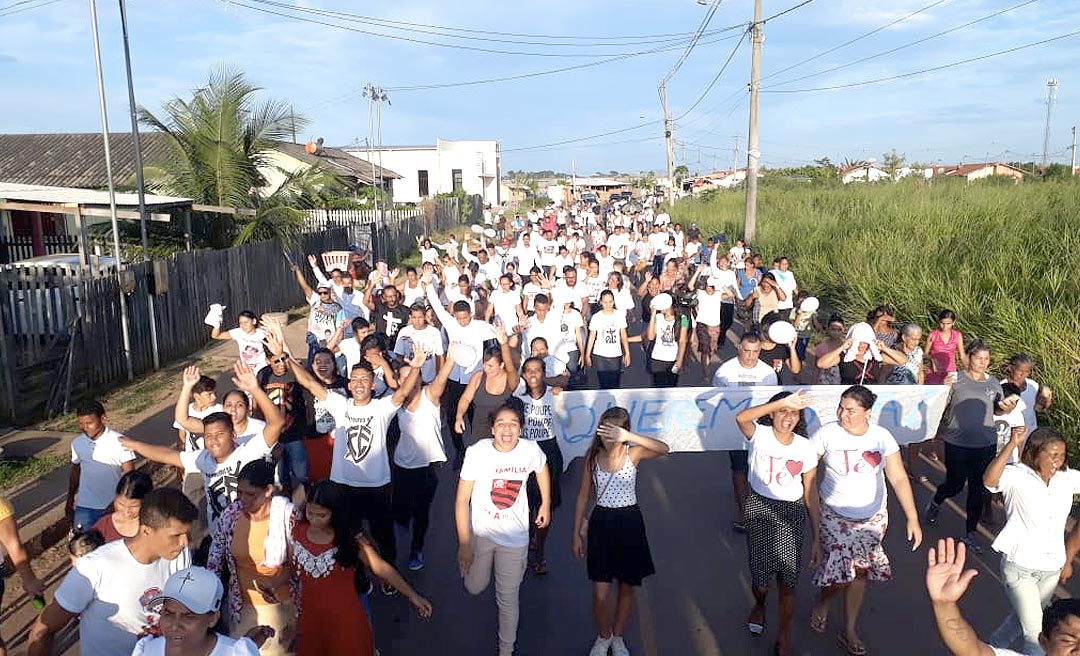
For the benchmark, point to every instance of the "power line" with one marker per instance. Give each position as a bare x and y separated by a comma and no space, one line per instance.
858,38
15,8
906,45
588,138
787,11
693,42
928,70
716,78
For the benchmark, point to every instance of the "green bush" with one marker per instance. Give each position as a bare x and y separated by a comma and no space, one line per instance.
1003,257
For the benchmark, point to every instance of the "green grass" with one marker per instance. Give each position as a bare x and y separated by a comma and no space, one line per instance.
1003,257
15,472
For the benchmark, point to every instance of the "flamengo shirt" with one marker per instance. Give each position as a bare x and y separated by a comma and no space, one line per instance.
1035,516
101,466
219,478
110,591
733,374
608,342
776,469
499,504
360,455
250,346
853,481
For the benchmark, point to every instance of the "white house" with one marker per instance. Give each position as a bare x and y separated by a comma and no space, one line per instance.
865,173
474,166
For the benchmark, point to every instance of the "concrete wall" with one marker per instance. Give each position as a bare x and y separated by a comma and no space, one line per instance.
479,162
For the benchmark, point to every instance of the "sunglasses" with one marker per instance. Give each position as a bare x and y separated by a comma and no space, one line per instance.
280,360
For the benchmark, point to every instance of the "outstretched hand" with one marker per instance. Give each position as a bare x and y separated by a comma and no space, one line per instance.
244,378
191,376
797,401
946,578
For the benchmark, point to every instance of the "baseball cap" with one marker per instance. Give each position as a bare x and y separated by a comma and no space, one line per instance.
715,283
505,241
324,285
197,588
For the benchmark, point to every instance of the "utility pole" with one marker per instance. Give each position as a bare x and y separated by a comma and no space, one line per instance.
669,138
376,96
140,187
1051,92
735,159
1072,170
752,152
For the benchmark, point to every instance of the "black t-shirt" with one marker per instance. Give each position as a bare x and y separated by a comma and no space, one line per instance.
390,320
693,233
286,393
859,373
316,413
776,357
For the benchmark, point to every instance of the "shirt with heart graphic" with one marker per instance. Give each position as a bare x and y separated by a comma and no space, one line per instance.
852,483
776,469
499,504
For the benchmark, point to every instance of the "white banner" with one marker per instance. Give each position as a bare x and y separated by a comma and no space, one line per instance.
703,418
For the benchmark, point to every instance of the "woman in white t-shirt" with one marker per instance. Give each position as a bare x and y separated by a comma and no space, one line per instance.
504,304
624,301
248,337
666,332
856,459
783,467
608,346
492,513
1038,497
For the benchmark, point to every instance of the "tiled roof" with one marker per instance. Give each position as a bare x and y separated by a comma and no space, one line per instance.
337,161
75,159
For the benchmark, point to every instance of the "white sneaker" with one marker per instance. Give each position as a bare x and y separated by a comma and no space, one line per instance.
618,647
600,647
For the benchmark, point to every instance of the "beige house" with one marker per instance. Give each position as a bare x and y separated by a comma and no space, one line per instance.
971,172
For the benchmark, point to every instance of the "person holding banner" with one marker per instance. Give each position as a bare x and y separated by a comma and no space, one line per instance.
783,467
852,514
542,425
618,548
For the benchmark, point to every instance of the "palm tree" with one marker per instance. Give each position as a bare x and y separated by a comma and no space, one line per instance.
219,140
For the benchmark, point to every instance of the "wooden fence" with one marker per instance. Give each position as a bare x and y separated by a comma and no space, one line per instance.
61,330
20,247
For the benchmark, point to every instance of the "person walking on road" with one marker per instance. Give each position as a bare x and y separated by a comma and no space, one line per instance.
783,467
612,538
857,457
98,460
11,546
608,348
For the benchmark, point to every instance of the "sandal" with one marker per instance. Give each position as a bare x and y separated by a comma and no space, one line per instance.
818,623
854,648
540,567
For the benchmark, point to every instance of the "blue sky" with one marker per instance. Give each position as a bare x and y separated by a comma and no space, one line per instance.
990,109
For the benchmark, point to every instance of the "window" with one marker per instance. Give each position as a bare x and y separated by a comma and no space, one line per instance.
422,177
457,179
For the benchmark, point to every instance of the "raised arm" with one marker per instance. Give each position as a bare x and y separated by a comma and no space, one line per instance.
300,280
512,375
369,302
306,380
406,386
244,379
832,358
445,318
162,454
436,388
946,583
180,411
747,419
466,400
651,448
336,338
992,475
316,269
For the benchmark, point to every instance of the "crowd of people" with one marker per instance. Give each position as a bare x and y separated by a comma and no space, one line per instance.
291,486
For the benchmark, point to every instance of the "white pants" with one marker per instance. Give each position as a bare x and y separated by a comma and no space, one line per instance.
509,565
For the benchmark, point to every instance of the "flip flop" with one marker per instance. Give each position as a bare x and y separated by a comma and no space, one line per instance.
818,623
755,629
853,648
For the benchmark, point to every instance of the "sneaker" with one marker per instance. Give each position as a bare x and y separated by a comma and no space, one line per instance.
618,647
416,561
388,590
601,646
931,512
971,544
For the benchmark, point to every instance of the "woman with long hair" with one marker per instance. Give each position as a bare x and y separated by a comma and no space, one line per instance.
943,344
850,513
608,345
329,560
1038,497
319,441
667,331
783,470
488,388
123,521
614,532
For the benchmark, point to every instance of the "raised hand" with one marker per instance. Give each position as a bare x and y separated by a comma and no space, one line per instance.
500,333
613,434
190,376
946,579
419,357
313,261
799,400
244,378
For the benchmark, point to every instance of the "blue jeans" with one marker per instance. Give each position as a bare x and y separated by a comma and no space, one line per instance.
293,468
84,518
800,347
1029,592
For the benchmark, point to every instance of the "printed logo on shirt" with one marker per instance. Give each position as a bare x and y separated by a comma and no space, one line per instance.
610,336
359,439
777,365
504,493
150,617
222,488
851,461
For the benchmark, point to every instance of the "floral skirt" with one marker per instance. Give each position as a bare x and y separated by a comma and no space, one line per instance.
850,547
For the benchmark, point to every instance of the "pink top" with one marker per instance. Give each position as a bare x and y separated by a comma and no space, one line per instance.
943,355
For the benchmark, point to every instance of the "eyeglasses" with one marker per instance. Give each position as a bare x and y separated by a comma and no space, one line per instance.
280,360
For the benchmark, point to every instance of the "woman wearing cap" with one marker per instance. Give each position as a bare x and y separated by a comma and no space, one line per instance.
190,608
860,355
850,513
667,331
251,545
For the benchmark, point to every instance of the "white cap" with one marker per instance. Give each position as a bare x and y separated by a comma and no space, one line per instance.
197,588
715,283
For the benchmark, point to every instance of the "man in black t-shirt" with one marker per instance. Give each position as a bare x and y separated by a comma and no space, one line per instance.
780,357
389,314
279,383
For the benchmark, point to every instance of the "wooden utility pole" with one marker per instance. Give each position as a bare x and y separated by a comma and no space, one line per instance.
752,152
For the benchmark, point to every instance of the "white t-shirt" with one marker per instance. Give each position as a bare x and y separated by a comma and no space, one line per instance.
666,346
1035,513
529,293
624,301
350,348
193,441
570,325
786,281
430,339
474,334
101,466
253,429
852,482
564,294
110,590
560,263
541,423
421,435
219,478
506,305
499,504
736,255
226,646
526,257
548,329
323,319
733,374
608,342
776,469
619,246
708,308
250,346
324,421
410,295
360,455
595,286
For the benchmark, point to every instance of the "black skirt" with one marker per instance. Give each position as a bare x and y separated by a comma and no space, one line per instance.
618,548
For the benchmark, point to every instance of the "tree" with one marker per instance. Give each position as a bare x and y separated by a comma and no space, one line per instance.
824,162
219,141
892,161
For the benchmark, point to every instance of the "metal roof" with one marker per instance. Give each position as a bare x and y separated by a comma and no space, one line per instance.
12,191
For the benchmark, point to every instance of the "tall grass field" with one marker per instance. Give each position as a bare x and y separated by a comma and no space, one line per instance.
1005,258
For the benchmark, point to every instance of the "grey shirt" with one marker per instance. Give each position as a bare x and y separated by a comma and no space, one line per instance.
970,414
